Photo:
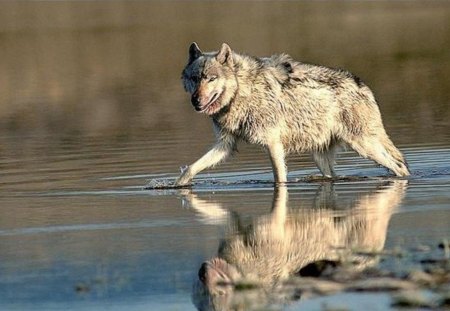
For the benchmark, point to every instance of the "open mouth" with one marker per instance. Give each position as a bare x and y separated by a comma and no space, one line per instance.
211,102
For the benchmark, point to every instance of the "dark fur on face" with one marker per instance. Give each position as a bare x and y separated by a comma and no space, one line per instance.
207,78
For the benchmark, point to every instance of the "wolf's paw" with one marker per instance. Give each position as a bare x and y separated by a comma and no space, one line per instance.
181,181
185,178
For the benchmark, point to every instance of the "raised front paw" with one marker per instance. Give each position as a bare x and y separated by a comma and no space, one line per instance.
185,178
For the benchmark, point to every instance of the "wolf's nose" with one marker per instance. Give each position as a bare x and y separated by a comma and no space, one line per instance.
195,100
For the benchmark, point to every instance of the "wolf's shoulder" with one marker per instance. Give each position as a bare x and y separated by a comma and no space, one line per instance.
286,62
309,73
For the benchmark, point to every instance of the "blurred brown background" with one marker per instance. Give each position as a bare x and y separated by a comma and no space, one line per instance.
101,68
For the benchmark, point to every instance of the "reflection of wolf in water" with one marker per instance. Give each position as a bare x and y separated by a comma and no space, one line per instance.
278,245
285,106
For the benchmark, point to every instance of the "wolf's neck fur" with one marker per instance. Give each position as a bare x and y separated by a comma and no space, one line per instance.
246,67
239,113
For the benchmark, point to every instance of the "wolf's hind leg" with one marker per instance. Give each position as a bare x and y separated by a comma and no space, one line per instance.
381,150
325,161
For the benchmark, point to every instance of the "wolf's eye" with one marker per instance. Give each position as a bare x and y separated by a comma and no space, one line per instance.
212,78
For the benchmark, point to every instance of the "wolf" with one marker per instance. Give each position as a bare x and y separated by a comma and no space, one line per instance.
285,106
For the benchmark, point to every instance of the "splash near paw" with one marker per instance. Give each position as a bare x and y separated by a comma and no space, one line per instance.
161,184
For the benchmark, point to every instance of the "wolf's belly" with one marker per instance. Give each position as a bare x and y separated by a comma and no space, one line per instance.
306,138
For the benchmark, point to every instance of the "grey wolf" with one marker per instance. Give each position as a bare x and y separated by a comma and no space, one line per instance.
285,106
275,246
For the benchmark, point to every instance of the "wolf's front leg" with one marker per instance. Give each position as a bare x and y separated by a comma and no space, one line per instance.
276,152
218,153
210,213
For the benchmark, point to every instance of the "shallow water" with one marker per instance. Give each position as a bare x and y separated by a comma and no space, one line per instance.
78,231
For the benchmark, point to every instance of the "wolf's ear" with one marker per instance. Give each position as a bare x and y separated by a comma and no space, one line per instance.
224,55
194,52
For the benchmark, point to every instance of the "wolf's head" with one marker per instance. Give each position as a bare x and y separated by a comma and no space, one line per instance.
210,78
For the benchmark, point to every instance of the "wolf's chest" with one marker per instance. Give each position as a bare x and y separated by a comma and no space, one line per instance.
244,126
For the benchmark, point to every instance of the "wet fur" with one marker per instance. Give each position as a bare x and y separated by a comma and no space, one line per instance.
287,107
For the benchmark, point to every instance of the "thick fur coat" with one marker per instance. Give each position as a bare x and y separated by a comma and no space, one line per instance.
285,106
